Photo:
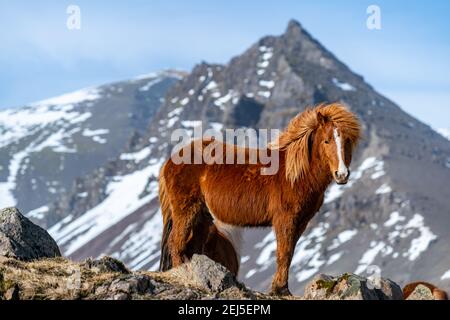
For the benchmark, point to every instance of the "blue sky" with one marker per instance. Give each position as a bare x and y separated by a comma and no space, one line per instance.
408,60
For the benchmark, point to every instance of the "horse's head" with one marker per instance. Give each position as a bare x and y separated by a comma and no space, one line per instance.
335,148
328,132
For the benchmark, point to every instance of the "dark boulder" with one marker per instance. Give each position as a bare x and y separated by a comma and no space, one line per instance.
23,240
351,287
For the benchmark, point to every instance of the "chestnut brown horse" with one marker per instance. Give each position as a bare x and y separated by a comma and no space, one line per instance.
315,148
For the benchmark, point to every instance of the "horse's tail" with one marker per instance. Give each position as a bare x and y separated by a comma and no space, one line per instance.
438,294
166,211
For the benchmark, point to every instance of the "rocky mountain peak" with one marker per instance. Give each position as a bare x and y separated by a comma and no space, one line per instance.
294,28
295,35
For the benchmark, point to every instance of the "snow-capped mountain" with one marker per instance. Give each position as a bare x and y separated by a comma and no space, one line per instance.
392,217
47,145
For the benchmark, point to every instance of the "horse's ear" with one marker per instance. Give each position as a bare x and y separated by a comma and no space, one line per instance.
321,119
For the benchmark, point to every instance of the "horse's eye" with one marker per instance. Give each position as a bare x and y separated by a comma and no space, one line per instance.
327,142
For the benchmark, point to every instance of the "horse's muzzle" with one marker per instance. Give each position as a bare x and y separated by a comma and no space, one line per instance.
341,177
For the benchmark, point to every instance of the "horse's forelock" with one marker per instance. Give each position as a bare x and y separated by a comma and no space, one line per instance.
343,119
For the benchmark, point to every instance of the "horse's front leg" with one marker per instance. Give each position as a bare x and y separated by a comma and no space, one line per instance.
287,234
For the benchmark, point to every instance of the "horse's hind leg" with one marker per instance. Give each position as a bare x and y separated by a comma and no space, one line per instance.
184,218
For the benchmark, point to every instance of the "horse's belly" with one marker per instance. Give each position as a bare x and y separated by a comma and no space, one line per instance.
235,200
236,212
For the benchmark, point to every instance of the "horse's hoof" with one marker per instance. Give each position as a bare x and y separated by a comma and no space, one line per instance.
283,291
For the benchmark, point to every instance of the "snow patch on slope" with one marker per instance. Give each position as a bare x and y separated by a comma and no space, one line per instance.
96,135
307,257
123,198
136,156
150,84
446,275
16,124
142,247
420,234
394,218
38,213
342,238
343,85
264,59
444,132
76,97
421,243
369,256
372,164
384,188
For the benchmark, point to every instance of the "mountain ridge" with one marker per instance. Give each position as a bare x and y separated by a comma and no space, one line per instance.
58,133
390,216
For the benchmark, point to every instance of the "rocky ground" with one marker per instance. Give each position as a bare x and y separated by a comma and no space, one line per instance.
31,267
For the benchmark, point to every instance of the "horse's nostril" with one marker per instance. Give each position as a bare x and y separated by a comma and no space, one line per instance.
336,174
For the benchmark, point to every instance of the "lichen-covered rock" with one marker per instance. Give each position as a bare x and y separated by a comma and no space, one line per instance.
105,264
204,273
421,292
22,239
351,287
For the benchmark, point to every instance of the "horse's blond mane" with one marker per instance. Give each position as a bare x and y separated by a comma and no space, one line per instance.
295,139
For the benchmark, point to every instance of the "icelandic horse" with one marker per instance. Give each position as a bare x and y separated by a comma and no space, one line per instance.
200,201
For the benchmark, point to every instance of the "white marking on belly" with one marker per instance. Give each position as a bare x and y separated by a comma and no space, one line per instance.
342,168
232,233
